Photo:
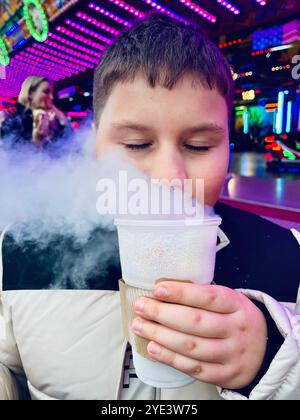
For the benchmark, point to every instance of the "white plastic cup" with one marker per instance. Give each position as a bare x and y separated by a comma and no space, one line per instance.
176,249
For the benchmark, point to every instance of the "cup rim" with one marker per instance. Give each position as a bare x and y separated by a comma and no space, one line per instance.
210,221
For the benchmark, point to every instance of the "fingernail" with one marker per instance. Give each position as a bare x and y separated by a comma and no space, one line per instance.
154,348
137,325
161,292
139,305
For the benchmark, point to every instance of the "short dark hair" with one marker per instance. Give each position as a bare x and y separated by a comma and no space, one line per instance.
164,50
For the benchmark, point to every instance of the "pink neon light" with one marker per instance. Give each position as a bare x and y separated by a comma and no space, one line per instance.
57,60
128,8
77,114
96,23
69,58
84,57
88,31
29,63
229,6
112,16
201,12
79,47
164,10
261,2
44,65
29,69
87,41
47,61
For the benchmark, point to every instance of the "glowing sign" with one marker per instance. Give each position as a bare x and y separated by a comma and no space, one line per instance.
248,95
4,57
36,20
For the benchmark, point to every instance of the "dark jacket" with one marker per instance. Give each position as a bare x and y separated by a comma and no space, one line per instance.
17,128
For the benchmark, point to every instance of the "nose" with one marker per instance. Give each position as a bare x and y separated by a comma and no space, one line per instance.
169,165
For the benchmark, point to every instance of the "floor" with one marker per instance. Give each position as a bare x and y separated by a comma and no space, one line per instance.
275,196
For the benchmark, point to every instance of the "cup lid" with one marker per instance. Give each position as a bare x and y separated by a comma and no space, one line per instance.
212,220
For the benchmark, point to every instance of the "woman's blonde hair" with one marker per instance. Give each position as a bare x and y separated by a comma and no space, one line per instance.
29,85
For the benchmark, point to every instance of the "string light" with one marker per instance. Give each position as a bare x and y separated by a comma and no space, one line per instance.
229,6
88,31
68,58
79,47
201,12
165,10
96,23
245,74
110,15
128,8
232,43
261,2
71,52
279,68
80,38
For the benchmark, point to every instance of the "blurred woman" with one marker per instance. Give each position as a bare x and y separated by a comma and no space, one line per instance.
36,119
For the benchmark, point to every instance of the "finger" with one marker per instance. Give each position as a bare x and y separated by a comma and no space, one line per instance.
185,319
209,297
211,373
203,349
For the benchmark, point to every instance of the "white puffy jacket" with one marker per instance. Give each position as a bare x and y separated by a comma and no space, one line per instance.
70,345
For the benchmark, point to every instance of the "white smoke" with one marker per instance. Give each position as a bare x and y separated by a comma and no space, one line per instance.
45,199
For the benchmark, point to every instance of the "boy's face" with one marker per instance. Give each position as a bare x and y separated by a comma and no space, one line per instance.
169,134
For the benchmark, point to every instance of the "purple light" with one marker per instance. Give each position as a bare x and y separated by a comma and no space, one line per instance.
21,61
229,6
88,31
77,114
71,52
112,16
18,70
51,58
28,66
128,8
201,12
261,2
98,24
69,58
45,64
87,41
65,41
47,57
164,10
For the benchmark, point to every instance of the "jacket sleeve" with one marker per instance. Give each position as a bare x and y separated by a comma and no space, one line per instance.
282,380
11,130
9,354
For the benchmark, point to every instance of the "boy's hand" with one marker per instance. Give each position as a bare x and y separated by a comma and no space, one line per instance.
212,333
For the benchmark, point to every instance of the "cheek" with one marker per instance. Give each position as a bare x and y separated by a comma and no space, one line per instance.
40,99
103,146
212,169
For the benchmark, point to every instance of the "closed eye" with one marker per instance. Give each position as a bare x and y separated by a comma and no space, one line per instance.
137,146
192,148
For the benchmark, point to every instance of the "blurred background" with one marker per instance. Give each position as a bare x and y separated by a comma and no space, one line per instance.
63,40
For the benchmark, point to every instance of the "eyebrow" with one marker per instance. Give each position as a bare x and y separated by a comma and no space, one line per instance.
198,129
128,125
208,127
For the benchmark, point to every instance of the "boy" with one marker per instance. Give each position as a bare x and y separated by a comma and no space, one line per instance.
162,94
